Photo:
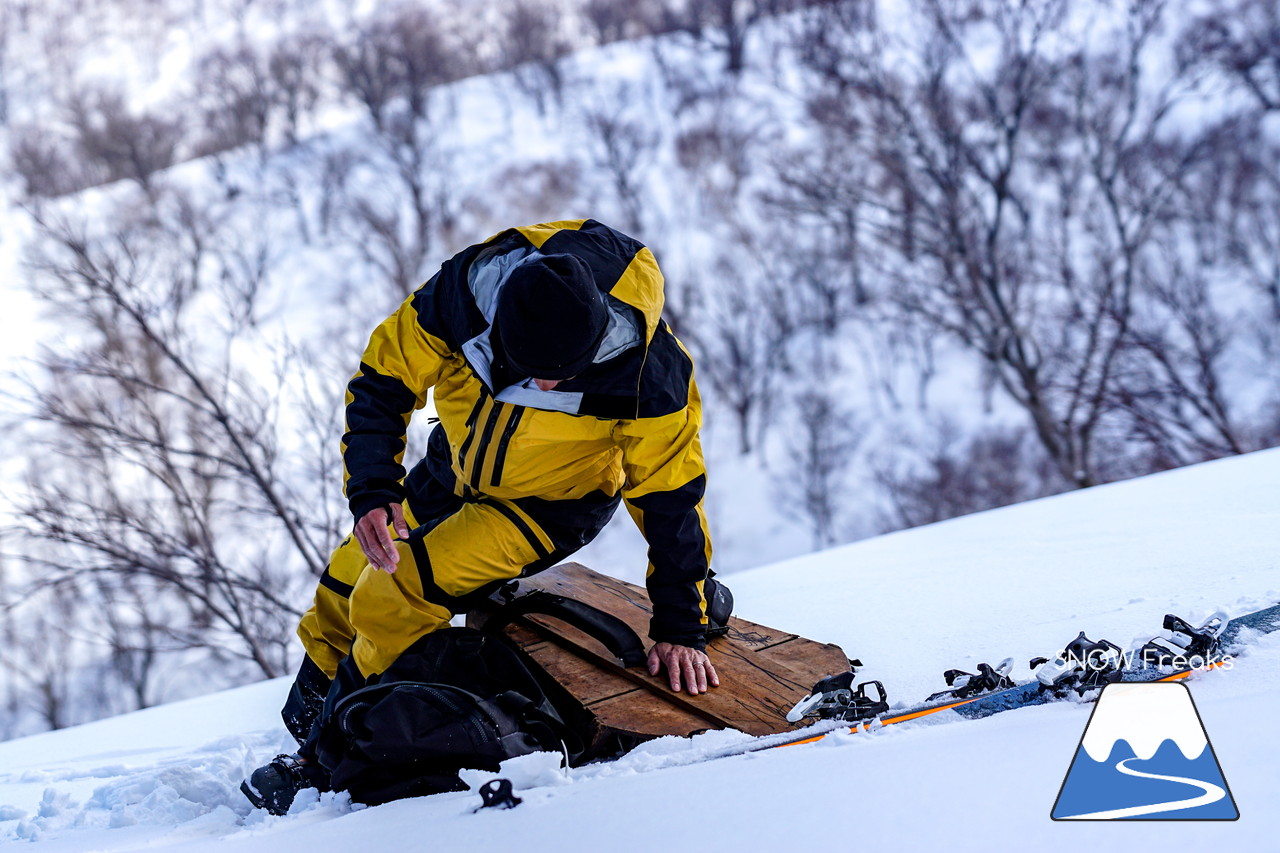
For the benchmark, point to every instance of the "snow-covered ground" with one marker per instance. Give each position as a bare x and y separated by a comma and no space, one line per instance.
1017,581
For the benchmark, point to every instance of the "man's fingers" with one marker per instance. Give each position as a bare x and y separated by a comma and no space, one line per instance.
687,668
375,541
398,522
690,673
673,671
372,548
388,548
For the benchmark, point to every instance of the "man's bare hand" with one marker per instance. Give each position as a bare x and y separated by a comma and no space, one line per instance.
684,665
375,539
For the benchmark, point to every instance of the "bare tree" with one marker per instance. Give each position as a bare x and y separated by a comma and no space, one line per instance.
137,633
1241,40
1233,214
820,457
532,47
738,342
405,198
612,21
622,147
399,57
6,25
824,197
719,148
235,84
1175,401
296,67
724,24
45,162
1015,199
41,650
1183,387
125,144
538,191
950,475
161,452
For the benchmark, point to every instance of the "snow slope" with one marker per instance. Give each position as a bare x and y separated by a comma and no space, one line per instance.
1017,581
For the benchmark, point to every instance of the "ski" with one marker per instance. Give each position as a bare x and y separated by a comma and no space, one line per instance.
1082,668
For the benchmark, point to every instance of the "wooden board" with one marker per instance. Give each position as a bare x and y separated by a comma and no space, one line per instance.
763,671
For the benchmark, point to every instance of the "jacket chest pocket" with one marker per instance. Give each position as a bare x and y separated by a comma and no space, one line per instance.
484,451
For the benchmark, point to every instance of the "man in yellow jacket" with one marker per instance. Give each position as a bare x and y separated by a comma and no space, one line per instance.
560,393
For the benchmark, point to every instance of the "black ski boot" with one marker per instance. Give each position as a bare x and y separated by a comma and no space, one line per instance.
274,786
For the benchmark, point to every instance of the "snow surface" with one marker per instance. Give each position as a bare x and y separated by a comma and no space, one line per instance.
1021,580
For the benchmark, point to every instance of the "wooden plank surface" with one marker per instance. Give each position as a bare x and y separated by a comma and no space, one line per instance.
763,671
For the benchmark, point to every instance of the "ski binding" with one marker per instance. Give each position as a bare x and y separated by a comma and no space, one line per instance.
834,698
987,679
1186,642
1082,666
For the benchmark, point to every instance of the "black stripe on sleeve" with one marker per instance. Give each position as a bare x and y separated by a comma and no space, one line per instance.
606,252
332,584
379,403
445,305
439,311
375,439
664,383
677,551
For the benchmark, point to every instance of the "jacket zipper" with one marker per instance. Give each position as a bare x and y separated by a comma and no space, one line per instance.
471,420
477,463
501,458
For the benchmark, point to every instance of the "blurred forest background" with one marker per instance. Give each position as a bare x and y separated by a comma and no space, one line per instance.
931,256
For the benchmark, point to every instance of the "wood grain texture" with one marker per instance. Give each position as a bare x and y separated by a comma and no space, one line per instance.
763,671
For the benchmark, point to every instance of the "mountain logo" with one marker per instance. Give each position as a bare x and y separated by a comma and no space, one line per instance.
1145,756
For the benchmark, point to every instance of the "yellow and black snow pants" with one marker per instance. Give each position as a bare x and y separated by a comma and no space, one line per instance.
459,550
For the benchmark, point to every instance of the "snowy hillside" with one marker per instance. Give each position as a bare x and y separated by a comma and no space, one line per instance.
929,258
1018,581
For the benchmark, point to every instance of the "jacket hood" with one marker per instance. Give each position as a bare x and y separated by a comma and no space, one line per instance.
628,277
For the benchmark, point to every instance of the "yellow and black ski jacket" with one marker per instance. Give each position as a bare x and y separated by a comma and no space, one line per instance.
629,423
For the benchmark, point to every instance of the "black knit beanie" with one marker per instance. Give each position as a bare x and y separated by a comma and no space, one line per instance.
550,317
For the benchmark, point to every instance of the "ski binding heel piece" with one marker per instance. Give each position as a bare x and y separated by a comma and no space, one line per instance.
988,679
1082,666
834,698
1185,643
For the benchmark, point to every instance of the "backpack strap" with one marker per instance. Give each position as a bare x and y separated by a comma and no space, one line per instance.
612,632
539,720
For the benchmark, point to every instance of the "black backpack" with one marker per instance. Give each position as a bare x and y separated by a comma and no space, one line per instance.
461,698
